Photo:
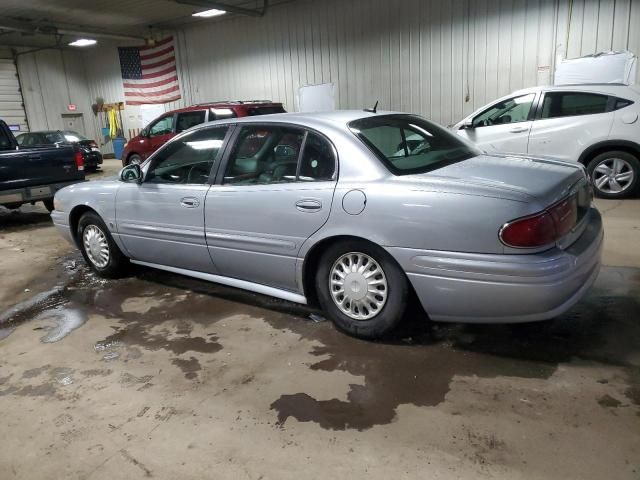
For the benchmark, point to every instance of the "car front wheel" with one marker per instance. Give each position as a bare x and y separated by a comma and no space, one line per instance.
98,247
362,289
614,174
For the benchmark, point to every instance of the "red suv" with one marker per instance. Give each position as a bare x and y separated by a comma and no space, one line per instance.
163,128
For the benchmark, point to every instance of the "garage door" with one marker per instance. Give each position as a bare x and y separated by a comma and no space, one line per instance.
11,105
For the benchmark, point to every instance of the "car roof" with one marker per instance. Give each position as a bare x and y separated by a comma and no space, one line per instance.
227,104
335,119
606,88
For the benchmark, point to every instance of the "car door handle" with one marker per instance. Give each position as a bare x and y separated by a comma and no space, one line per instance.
308,205
189,202
519,129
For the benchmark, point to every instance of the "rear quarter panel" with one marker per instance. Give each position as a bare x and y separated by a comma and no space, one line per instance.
422,217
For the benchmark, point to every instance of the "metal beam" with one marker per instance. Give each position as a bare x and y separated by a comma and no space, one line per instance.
227,8
48,29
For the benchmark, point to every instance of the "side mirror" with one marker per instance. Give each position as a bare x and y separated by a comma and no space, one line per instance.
144,132
131,174
467,125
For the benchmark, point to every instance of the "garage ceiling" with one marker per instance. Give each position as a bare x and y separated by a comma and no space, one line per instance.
39,23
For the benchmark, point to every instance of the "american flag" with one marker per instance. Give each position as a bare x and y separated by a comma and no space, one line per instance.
149,74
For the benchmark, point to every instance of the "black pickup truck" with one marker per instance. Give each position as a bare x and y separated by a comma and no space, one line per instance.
35,174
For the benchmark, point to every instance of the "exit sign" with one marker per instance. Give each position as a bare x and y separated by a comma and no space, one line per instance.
72,107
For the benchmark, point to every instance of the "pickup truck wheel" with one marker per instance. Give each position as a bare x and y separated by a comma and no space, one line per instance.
98,247
362,289
135,158
614,174
48,204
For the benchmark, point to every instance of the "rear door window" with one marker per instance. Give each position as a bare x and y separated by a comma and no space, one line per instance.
318,161
252,111
162,127
189,119
264,155
570,104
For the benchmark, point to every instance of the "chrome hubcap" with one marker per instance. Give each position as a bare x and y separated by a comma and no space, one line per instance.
96,246
358,285
135,160
613,175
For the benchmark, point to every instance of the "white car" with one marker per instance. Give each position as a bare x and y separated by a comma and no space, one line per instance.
596,125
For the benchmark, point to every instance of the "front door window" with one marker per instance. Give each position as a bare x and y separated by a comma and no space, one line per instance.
189,159
512,110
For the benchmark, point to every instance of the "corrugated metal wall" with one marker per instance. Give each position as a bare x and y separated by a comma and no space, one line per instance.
51,80
439,59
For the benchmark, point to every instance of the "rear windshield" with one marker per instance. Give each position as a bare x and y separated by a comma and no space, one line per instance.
264,110
409,144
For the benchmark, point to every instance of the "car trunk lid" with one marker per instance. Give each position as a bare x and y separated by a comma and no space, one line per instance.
544,180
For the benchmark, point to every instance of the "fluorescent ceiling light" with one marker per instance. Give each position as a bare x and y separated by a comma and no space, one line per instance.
83,42
214,12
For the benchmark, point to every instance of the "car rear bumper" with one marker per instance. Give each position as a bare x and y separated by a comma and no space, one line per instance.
35,193
93,159
478,288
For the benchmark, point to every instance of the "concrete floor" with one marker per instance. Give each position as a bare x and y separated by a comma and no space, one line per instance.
162,376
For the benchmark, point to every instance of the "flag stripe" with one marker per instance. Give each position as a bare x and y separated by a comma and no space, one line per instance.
159,63
152,94
131,101
159,53
159,73
153,90
171,78
161,68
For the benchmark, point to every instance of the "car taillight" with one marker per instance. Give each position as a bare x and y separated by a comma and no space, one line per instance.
565,215
543,228
79,161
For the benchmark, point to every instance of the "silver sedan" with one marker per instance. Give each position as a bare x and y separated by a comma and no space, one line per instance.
351,210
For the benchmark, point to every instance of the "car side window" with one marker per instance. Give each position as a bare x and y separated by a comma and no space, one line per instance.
512,110
318,161
264,155
189,159
569,104
162,126
189,119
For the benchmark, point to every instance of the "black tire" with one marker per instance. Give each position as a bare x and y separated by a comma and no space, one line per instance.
117,263
631,163
392,312
134,158
48,204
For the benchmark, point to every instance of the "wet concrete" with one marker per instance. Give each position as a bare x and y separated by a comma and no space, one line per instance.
164,376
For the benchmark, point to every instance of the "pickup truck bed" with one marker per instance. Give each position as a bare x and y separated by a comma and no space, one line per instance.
32,174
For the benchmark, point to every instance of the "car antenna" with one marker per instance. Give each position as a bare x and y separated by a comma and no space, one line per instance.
374,109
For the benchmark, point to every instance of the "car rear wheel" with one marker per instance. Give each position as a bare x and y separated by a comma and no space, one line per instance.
98,247
362,289
614,174
135,158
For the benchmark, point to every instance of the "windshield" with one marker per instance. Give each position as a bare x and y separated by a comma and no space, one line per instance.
409,144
